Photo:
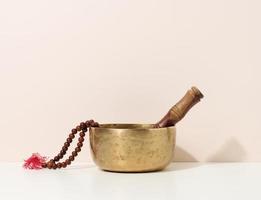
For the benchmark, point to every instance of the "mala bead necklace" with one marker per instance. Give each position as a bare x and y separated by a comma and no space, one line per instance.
36,161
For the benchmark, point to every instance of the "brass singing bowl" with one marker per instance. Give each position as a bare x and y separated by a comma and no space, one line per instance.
132,147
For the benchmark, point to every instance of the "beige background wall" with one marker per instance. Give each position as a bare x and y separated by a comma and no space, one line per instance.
64,61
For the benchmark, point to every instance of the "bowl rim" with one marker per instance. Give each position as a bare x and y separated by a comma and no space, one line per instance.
130,124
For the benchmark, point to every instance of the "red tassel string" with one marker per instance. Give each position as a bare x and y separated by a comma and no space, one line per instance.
35,161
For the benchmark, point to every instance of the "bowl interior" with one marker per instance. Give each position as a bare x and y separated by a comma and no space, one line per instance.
127,126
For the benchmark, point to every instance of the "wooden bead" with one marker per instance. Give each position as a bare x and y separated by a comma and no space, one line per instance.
56,158
54,166
64,164
78,128
44,165
74,153
50,165
87,123
83,125
69,140
59,165
66,144
82,134
68,162
91,122
81,139
65,148
71,158
62,152
74,131
79,144
77,149
60,155
71,136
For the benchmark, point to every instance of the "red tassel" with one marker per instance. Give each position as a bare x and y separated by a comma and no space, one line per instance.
35,161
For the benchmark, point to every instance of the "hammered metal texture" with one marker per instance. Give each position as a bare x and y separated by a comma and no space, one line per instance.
132,147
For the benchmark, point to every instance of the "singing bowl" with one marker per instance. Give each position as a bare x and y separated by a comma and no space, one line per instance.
132,147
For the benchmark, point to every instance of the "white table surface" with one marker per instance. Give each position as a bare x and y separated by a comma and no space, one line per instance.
184,181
